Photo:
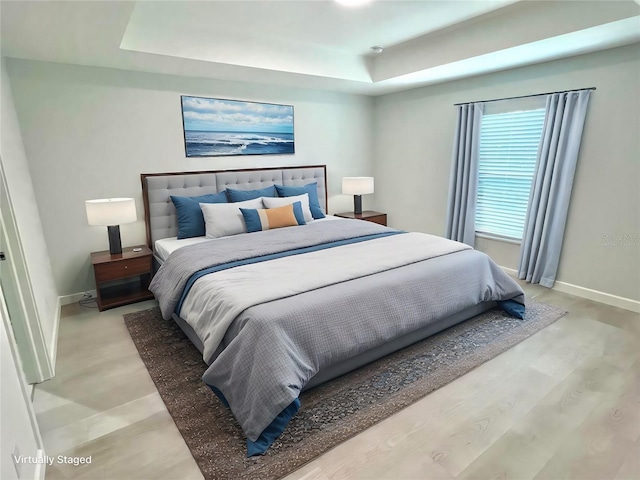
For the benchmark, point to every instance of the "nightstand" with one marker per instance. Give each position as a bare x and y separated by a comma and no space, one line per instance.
368,215
123,278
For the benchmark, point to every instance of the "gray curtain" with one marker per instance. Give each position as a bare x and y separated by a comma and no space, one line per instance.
551,187
463,182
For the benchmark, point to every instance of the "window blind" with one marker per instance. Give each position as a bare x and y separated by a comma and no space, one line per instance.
508,150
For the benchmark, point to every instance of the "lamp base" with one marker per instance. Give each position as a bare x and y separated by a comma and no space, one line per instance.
357,204
115,246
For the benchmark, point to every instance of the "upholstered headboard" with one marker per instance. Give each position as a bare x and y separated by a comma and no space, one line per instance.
157,188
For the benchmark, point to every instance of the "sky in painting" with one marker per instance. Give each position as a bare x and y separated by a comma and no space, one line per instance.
213,115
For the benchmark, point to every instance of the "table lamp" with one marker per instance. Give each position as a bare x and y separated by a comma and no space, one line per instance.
111,212
357,186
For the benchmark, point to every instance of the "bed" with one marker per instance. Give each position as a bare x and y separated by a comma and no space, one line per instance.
279,311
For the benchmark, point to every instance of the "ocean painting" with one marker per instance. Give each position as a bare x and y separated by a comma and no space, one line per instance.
214,127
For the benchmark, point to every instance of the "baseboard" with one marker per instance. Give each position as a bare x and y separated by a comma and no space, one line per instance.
510,271
74,297
589,294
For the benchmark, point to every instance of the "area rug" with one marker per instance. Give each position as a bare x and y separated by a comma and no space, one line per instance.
330,413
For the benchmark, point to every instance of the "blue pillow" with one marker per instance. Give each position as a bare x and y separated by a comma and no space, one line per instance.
311,189
242,195
190,219
269,218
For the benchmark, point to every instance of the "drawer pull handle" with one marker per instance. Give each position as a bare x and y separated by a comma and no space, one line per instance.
125,267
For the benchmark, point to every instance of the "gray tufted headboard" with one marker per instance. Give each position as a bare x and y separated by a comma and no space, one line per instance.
160,214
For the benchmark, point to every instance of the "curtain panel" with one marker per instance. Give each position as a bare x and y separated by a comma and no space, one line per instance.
551,187
463,180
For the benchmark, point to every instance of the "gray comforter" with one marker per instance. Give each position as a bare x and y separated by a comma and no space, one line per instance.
168,283
271,350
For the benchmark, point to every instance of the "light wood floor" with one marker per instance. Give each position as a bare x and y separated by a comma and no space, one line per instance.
563,404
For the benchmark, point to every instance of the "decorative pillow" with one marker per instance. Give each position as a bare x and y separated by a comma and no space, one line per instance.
311,189
270,218
225,219
190,219
281,201
244,195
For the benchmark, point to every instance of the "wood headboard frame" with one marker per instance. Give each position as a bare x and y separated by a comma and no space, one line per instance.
145,190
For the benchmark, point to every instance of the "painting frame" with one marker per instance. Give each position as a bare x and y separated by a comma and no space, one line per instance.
220,127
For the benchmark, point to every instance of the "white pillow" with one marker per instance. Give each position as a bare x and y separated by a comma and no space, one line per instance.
275,202
225,219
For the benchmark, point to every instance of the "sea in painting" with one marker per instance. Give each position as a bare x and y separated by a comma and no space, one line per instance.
215,127
205,144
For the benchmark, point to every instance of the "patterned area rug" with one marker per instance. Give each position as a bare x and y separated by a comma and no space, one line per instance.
330,413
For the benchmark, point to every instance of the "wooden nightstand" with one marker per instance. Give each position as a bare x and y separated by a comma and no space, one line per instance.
368,215
122,279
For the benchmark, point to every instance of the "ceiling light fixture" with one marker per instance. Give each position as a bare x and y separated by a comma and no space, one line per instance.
377,49
352,3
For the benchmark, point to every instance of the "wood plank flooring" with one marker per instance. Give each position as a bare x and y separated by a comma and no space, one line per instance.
563,404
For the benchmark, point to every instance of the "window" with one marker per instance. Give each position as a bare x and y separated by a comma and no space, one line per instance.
508,150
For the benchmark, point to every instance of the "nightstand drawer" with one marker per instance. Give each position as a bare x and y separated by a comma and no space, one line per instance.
381,219
122,269
367,215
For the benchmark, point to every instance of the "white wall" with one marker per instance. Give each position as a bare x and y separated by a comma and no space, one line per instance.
90,132
413,141
27,215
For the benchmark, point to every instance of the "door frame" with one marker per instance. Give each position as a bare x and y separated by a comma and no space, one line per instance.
26,328
24,391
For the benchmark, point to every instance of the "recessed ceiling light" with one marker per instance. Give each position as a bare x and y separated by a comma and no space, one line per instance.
377,49
352,3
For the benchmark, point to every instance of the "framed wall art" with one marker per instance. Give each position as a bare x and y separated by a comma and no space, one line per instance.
215,127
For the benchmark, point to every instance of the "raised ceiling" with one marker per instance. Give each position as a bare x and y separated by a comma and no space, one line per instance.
316,44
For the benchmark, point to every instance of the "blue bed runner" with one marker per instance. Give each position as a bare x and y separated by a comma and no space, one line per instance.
513,308
269,434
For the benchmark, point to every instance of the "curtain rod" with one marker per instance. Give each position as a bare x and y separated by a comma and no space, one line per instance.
523,96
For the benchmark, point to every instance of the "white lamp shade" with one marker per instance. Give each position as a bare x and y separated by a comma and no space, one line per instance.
357,185
111,211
